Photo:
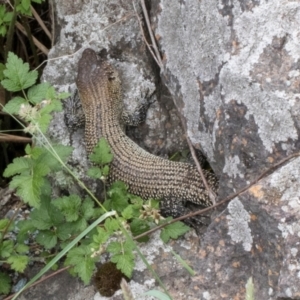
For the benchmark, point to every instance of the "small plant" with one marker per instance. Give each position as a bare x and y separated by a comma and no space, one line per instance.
62,226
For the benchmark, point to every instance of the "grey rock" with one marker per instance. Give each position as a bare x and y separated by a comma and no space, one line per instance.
233,69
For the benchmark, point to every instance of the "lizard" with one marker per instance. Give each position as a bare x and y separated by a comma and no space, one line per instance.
145,174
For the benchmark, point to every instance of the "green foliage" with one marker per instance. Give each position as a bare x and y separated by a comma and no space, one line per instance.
173,231
4,283
5,18
24,6
30,172
82,262
17,74
58,223
101,154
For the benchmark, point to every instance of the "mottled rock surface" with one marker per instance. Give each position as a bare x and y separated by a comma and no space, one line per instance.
233,68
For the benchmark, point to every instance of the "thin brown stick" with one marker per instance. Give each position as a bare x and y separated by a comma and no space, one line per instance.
14,138
40,21
41,280
230,197
36,42
151,33
143,34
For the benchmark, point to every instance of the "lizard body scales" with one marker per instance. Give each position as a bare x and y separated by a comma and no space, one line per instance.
146,175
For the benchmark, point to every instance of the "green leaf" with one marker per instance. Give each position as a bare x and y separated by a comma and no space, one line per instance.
105,170
124,263
8,16
101,154
47,238
28,188
19,165
173,231
37,93
3,224
63,95
69,206
139,226
6,248
18,76
65,231
114,247
18,262
84,265
13,106
87,208
100,238
111,225
119,196
21,248
46,216
127,213
43,122
94,172
4,283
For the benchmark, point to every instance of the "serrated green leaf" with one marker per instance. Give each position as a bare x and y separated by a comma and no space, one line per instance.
18,262
173,231
37,93
119,196
69,206
111,225
65,231
114,247
21,248
46,216
18,76
63,95
47,238
87,208
105,170
124,263
101,154
84,265
6,248
26,4
28,188
79,225
4,283
101,237
19,165
43,122
127,213
139,226
94,172
34,152
3,224
13,106
7,17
